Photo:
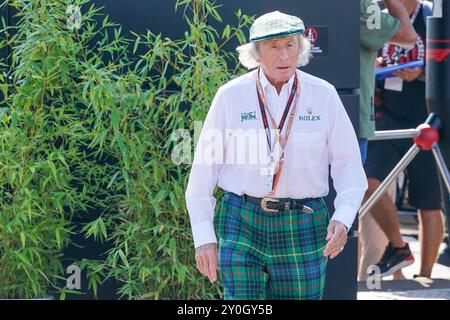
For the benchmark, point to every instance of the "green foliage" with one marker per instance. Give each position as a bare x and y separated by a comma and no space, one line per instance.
86,121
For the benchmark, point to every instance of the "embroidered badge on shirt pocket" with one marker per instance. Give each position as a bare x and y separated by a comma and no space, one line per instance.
247,116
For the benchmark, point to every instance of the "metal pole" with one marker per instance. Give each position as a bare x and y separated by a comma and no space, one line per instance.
403,163
441,164
395,134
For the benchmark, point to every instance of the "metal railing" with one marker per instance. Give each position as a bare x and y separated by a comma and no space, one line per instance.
427,142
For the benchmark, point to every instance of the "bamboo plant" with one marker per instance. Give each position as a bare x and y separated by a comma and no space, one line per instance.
86,124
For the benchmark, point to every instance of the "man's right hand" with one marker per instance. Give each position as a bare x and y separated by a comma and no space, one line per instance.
379,62
206,259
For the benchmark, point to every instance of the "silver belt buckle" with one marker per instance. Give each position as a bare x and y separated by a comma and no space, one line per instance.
307,209
264,204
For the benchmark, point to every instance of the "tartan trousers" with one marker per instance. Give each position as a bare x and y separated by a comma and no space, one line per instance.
272,256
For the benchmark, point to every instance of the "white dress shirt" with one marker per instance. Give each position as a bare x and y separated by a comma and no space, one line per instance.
232,150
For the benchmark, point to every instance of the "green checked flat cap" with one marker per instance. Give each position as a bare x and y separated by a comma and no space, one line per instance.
275,25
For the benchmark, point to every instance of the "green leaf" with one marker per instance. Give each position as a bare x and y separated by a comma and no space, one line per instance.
53,171
61,158
85,89
102,228
105,21
23,258
182,270
112,180
136,44
121,144
115,119
226,32
161,195
22,239
215,14
97,228
173,247
124,258
58,237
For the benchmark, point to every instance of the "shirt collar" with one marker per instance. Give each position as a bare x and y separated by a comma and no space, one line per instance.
265,82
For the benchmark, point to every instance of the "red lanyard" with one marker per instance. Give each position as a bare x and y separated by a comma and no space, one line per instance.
263,107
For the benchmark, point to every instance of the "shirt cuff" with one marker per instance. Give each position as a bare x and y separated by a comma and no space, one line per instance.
345,215
203,233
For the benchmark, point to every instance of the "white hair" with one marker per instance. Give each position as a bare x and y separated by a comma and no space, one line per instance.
248,53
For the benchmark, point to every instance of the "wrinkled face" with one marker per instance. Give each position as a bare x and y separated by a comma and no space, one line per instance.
278,57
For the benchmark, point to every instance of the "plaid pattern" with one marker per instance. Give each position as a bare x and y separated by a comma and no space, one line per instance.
271,255
275,25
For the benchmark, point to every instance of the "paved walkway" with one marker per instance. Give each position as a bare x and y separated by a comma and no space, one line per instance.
436,288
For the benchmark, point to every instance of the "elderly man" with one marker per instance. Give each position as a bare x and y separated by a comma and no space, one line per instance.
267,141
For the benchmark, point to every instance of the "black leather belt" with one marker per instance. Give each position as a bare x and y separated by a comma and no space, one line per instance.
280,204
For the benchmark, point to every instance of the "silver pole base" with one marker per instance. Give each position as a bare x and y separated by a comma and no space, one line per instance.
381,190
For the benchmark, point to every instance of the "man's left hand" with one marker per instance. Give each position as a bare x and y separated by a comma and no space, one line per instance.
409,74
336,238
